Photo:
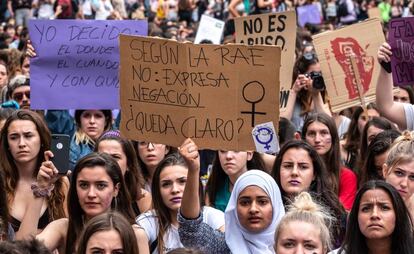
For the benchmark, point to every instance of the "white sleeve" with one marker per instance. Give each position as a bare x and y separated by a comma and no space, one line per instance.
213,217
409,115
148,221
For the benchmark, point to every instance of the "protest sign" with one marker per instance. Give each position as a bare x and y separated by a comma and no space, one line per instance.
400,38
272,29
77,62
308,13
374,12
171,91
334,49
209,29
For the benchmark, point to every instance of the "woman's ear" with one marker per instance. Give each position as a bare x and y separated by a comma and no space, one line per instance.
385,170
249,155
116,190
167,150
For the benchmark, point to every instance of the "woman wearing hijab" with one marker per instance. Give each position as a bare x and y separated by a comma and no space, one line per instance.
252,214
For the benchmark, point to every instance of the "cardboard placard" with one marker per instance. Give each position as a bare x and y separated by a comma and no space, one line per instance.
272,29
334,50
400,38
77,62
374,12
209,29
308,13
171,91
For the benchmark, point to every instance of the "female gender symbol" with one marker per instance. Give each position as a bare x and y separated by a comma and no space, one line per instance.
264,132
246,94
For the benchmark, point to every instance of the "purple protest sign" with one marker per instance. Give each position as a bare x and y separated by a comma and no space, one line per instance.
308,14
400,38
77,62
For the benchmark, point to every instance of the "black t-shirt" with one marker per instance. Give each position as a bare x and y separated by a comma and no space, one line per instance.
20,4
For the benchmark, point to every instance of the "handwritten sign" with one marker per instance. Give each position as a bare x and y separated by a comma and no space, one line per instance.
334,50
77,62
272,29
171,91
209,29
308,14
400,38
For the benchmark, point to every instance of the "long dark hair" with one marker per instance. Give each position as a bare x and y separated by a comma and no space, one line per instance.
319,188
162,211
379,122
218,177
11,175
402,241
121,203
133,178
106,222
4,211
379,145
353,136
332,159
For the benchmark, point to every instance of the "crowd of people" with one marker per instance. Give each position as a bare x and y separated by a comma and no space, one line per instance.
342,182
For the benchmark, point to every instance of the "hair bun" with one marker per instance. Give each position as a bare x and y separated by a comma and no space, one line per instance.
406,136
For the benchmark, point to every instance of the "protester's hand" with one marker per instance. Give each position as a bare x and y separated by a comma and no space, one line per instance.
30,51
301,82
384,53
48,174
58,11
189,151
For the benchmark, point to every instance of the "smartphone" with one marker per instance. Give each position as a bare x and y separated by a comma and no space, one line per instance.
60,149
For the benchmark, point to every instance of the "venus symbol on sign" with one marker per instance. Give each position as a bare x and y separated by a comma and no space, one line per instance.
253,92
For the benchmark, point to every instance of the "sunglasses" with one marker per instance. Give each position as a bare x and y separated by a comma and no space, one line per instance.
19,96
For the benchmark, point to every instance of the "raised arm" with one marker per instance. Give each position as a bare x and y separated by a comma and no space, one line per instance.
190,204
53,234
394,111
299,84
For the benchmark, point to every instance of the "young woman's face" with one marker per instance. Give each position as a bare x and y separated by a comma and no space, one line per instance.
254,209
402,178
372,132
105,242
296,171
114,148
319,136
95,190
151,153
298,237
362,120
234,163
402,96
172,184
24,141
93,123
376,215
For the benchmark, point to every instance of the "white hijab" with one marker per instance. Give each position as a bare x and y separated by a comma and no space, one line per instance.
240,240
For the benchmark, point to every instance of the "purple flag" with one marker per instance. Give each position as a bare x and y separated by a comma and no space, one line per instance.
401,40
77,62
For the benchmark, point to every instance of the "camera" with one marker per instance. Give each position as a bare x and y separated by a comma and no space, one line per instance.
318,82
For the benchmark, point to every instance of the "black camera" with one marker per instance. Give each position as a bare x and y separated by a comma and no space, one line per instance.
318,82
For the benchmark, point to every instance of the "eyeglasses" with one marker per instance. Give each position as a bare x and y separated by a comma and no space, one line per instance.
19,96
146,144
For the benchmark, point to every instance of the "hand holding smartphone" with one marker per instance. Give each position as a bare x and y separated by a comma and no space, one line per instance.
60,149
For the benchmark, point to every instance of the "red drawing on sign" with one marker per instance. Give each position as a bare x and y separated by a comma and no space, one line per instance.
343,48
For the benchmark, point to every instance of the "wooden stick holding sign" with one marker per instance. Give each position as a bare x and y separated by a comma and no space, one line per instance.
361,95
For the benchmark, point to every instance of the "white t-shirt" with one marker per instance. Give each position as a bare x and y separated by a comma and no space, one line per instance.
409,115
148,221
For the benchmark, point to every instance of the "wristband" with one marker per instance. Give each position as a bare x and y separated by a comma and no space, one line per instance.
41,192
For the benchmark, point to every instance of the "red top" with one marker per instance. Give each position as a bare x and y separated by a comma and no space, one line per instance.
347,187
